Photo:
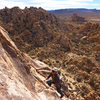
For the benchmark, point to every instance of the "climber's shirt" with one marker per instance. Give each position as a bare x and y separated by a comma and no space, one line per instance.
55,78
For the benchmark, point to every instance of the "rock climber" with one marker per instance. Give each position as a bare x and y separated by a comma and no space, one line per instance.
55,80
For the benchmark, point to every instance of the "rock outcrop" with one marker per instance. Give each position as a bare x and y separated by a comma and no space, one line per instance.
34,27
77,19
20,78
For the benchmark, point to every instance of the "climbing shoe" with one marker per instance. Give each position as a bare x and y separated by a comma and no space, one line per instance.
61,95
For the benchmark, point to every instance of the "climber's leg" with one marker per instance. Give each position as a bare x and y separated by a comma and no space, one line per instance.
58,87
49,82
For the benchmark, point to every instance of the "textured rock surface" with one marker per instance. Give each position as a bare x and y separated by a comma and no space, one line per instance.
81,64
19,77
17,82
34,27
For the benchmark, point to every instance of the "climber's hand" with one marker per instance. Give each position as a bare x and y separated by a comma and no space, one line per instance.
44,80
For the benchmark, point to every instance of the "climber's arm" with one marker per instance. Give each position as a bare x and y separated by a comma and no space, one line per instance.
48,76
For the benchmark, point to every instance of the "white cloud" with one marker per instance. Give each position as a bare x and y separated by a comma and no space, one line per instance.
55,4
84,0
9,4
48,4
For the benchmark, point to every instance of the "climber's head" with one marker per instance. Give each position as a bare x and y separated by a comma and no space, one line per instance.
54,70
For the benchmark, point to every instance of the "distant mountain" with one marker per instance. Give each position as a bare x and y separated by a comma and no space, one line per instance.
78,10
90,14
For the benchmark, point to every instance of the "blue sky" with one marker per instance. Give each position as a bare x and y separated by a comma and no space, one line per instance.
51,4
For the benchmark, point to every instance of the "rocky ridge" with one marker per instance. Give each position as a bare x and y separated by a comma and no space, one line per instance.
34,27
